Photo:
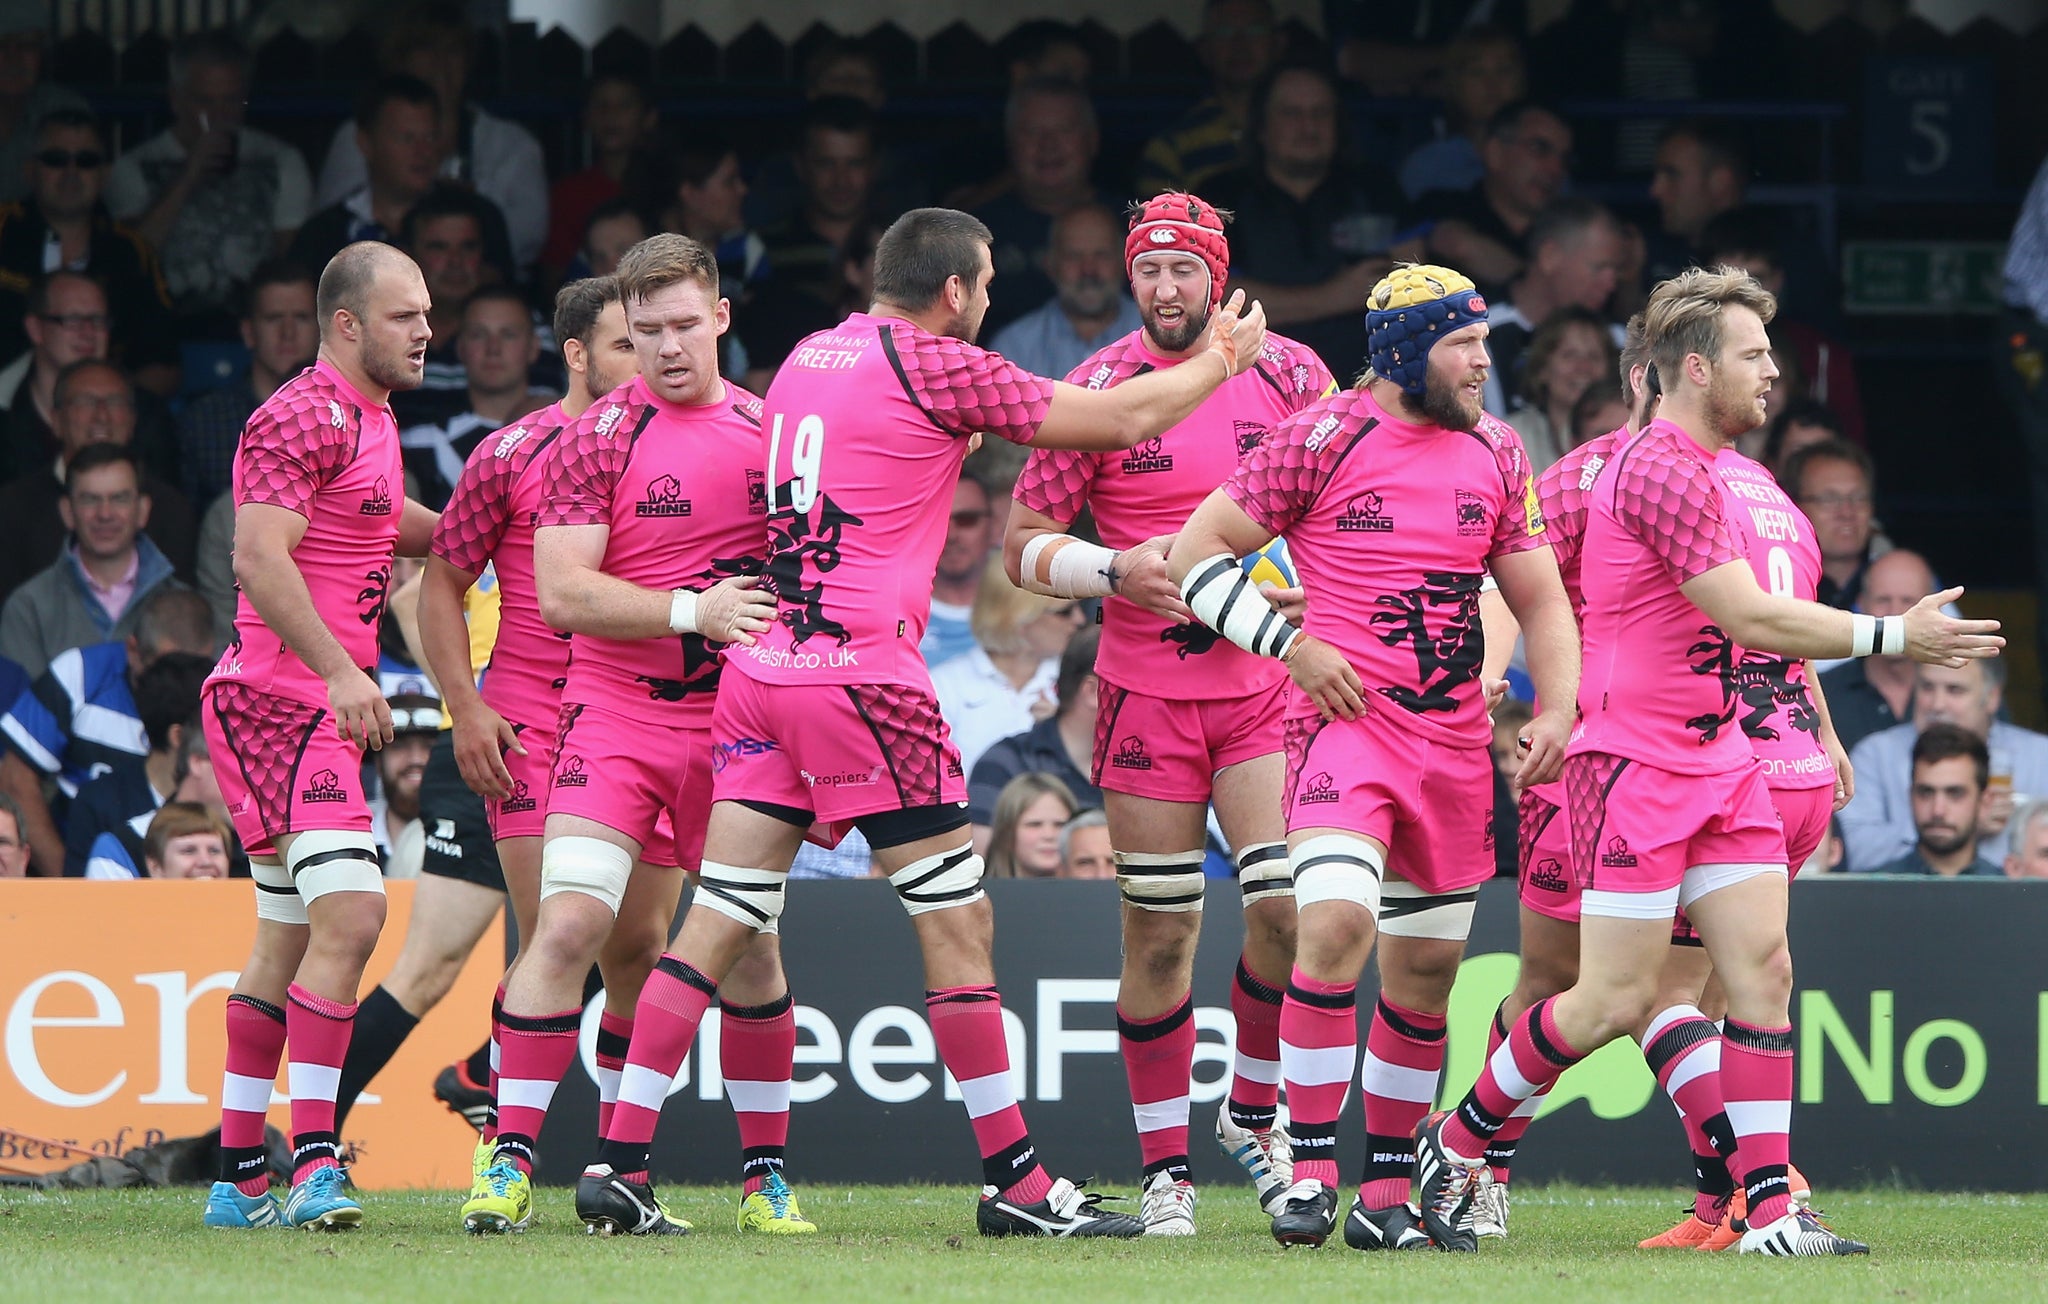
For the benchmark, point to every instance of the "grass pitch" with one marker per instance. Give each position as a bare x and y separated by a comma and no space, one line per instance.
1569,1243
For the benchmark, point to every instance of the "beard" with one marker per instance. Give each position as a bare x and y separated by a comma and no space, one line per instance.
967,326
1732,410
1182,337
597,383
1944,840
1445,405
392,370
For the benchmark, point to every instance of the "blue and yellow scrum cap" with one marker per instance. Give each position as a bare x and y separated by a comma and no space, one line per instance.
1409,311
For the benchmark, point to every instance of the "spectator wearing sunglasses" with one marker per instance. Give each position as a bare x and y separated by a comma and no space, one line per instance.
25,97
1008,681
971,534
63,226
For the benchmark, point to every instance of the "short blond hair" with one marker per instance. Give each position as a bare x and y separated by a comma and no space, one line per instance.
662,260
1002,610
180,819
1684,315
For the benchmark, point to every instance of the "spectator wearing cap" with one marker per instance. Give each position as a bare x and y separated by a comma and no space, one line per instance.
499,160
26,96
119,804
213,197
1089,307
1313,233
182,840
416,721
95,405
95,589
79,718
62,225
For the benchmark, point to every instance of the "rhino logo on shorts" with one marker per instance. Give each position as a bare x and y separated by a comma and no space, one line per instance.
1546,875
519,801
571,774
1617,855
1130,755
1319,789
324,786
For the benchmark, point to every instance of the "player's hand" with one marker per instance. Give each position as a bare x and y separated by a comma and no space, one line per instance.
361,715
1939,639
1238,332
734,610
1321,671
1141,578
1543,744
1845,773
1290,604
1496,691
482,737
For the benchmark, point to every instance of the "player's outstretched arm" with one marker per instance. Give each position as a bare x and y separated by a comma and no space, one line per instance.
264,538
416,529
1529,583
1732,599
576,596
1041,557
1143,406
482,736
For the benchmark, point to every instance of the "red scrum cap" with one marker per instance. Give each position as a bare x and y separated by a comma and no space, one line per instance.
1177,223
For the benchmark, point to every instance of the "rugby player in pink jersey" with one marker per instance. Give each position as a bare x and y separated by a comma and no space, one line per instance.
652,485
1667,802
1184,718
830,719
320,507
1397,499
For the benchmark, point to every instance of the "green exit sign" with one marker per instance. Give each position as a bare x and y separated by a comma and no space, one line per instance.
1922,276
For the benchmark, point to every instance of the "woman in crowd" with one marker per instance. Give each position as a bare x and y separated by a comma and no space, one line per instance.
1004,684
1030,813
1568,353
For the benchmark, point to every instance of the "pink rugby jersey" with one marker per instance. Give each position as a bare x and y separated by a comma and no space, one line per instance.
489,520
1765,694
320,449
680,489
1651,686
866,426
1390,526
1152,490
1561,492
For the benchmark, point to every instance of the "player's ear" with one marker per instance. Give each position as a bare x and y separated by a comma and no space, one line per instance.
724,315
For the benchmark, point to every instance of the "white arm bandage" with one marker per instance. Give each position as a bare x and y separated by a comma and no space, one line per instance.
682,612
1222,597
1074,568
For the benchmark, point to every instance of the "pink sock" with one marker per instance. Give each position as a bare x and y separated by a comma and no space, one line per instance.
1534,1056
535,1050
1500,1154
757,1053
316,1031
1756,1077
1404,1060
614,1035
672,1005
255,1044
497,1054
1683,1048
967,1024
1159,1062
1255,1073
1318,1048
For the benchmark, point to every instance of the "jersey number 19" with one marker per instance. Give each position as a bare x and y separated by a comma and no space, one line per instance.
806,451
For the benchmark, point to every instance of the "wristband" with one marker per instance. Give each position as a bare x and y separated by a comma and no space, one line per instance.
1891,639
1074,567
682,612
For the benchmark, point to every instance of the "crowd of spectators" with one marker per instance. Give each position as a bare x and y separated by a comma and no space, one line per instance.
153,292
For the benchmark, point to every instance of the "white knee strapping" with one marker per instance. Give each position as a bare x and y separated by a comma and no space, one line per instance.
1702,879
1408,911
1338,867
334,860
1169,882
276,899
592,866
1262,872
951,878
747,896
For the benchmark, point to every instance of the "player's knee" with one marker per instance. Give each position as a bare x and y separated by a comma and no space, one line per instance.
750,897
277,900
1270,927
1161,882
1543,976
1160,955
626,959
1263,877
1342,868
590,867
940,882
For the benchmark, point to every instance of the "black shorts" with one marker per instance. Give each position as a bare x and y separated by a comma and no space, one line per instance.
458,831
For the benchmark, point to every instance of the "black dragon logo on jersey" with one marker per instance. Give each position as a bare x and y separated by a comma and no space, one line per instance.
1753,687
1191,639
1446,661
375,592
796,537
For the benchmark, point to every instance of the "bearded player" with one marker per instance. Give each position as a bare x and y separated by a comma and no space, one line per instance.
658,483
1668,803
291,707
1396,499
1184,718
